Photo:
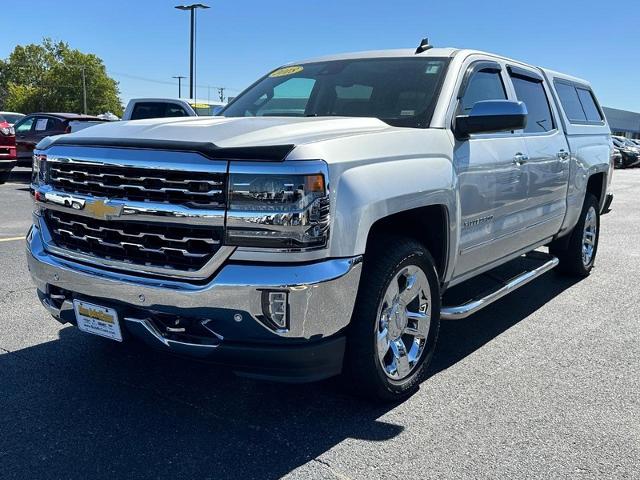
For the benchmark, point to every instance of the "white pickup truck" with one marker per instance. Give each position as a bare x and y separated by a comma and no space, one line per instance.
314,227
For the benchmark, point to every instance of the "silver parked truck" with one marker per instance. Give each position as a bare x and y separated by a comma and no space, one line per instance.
317,226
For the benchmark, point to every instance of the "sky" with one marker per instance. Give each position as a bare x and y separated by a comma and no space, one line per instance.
146,42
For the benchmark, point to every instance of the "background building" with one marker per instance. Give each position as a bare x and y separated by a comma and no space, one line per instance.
622,122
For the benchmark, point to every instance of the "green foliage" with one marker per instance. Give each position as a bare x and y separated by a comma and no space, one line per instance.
48,77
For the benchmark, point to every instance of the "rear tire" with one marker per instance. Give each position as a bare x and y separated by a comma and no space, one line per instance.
578,256
394,327
4,176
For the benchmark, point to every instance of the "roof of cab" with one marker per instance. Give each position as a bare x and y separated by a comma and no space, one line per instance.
553,74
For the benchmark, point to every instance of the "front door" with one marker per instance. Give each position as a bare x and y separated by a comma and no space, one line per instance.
492,182
23,137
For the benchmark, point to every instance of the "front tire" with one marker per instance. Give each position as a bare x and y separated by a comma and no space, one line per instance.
579,255
394,328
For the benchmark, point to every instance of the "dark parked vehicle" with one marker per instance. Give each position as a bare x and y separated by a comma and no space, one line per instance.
36,126
629,153
7,149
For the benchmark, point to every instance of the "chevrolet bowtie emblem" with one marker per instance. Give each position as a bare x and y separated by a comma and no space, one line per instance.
102,209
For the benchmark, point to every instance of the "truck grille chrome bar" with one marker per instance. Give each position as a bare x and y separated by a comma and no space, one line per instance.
194,189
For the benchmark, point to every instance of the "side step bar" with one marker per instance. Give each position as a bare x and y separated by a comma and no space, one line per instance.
465,310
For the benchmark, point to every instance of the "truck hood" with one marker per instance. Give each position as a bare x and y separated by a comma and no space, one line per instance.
235,132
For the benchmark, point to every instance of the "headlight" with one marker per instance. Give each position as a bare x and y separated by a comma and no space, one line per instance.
39,169
7,130
278,210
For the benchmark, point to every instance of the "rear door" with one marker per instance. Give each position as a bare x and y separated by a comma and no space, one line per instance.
547,167
493,187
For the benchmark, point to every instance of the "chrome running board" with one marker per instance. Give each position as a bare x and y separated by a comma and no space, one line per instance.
472,306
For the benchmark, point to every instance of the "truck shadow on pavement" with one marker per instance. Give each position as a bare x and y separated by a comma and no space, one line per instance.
81,407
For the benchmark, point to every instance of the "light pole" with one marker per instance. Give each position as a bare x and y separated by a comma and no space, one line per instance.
192,68
179,77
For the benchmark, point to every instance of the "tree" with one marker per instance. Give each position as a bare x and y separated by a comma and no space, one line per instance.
49,77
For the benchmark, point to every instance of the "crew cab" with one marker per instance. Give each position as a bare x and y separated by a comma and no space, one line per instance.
318,226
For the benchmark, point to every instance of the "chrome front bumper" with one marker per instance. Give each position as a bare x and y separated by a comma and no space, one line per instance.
321,297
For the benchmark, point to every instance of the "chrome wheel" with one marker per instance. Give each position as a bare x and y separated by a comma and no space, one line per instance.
404,319
589,236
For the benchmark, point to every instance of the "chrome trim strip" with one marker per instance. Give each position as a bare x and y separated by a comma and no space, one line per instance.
131,211
463,311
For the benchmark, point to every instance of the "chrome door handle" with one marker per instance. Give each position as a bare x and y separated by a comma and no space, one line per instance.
563,154
520,159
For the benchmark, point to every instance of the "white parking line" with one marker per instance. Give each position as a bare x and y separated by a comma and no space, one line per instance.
11,239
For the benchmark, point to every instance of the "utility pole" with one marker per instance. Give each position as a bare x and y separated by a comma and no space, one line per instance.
84,90
179,77
192,68
221,93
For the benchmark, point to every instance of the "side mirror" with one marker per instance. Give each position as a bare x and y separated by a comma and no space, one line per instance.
490,116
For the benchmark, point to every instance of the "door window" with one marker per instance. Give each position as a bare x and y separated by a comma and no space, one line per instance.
25,126
483,85
531,92
42,124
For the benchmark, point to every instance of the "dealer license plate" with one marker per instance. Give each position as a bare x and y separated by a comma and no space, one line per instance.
98,320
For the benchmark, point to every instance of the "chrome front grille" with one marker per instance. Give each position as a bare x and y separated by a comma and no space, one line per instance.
189,188
183,248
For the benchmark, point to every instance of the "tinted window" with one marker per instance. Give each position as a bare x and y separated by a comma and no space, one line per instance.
399,91
570,102
54,125
157,110
532,93
484,85
589,105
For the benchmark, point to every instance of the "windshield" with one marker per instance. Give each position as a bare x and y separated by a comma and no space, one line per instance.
399,91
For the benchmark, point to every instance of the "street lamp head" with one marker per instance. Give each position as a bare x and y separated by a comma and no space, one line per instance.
193,6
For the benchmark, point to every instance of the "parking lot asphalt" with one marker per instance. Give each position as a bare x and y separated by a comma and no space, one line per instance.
543,384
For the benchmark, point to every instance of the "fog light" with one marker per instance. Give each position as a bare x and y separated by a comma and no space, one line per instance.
275,306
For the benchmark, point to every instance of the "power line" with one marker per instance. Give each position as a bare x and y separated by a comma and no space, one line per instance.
164,82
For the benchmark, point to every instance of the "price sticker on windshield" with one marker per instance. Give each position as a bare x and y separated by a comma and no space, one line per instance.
283,72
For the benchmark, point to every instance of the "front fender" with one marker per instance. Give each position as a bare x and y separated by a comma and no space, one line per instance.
368,193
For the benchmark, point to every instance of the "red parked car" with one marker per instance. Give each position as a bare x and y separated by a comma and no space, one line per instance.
7,149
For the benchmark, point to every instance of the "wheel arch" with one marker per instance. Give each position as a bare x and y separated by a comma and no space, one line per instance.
429,225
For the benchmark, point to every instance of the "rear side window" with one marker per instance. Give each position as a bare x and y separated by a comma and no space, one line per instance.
570,102
589,105
144,110
484,85
531,92
578,103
